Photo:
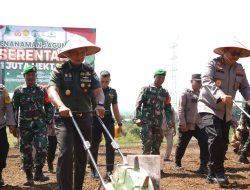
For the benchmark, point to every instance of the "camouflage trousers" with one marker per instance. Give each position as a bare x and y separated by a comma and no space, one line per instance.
151,136
246,147
33,133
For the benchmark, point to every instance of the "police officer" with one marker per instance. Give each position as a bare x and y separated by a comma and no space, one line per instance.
220,82
190,124
35,113
97,130
72,85
245,122
6,119
149,108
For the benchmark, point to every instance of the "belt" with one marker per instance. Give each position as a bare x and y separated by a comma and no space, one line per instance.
78,114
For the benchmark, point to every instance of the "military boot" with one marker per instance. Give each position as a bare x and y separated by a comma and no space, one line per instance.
202,169
39,175
29,177
1,178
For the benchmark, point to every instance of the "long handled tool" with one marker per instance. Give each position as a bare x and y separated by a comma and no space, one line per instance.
87,145
114,144
241,109
127,176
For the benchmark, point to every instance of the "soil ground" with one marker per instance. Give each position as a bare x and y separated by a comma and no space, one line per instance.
186,178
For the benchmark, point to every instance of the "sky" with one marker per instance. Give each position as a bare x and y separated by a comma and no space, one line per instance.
138,37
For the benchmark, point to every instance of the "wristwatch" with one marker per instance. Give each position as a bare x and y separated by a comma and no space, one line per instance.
119,124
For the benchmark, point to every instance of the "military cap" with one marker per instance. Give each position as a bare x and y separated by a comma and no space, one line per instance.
160,72
196,77
29,68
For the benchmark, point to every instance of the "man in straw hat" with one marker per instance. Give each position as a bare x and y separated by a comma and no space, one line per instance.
71,87
220,82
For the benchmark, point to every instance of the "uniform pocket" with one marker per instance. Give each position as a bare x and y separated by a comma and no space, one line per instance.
237,82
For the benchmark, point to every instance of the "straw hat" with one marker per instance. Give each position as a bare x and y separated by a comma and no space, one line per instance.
237,46
78,43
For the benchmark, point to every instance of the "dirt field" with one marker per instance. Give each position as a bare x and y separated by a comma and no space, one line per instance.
187,178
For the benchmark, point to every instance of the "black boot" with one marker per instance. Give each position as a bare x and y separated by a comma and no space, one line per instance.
39,175
202,169
29,177
1,178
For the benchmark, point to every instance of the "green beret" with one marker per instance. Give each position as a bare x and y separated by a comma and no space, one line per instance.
160,72
29,68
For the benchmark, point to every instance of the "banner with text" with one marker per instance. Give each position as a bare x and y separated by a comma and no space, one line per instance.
21,45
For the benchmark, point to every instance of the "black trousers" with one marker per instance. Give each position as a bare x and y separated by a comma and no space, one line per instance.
184,139
97,132
218,137
52,144
4,148
72,157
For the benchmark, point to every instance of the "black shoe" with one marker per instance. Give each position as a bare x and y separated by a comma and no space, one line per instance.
211,179
39,175
244,160
202,170
178,166
163,173
29,176
94,174
1,180
108,175
29,182
221,179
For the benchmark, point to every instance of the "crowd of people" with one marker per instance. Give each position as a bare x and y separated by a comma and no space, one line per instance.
42,116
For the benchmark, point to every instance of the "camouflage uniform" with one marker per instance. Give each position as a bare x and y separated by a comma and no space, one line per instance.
149,107
34,111
246,123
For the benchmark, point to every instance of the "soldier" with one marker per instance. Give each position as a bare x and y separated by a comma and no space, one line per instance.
220,82
35,111
6,119
71,88
190,124
97,130
149,107
245,122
